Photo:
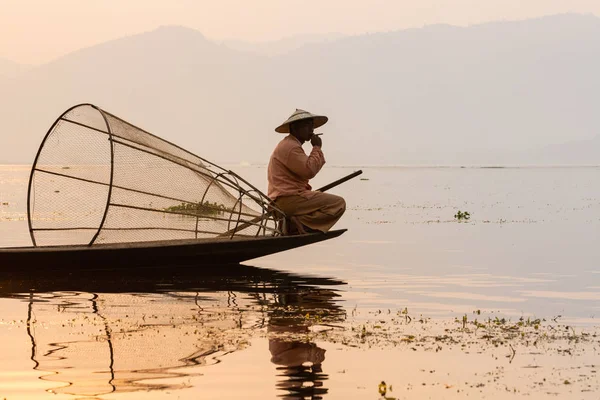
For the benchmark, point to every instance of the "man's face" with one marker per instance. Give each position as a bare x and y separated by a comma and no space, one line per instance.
304,129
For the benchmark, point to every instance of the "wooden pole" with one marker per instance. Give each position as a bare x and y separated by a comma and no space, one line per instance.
340,181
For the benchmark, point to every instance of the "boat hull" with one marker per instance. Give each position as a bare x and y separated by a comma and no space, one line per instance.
176,252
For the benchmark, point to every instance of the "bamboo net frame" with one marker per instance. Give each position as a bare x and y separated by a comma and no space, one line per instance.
99,179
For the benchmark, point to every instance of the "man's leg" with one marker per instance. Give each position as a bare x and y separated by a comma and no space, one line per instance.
320,212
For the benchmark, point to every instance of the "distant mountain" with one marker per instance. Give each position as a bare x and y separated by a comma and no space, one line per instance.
436,95
282,46
10,69
171,81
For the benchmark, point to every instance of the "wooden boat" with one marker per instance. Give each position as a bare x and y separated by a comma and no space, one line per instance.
158,253
105,193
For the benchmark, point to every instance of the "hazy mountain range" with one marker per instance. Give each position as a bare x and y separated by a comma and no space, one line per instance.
505,92
11,69
283,46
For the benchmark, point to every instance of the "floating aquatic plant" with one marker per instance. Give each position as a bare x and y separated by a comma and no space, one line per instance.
205,208
462,216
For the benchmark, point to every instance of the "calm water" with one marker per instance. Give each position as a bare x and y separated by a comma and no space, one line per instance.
334,319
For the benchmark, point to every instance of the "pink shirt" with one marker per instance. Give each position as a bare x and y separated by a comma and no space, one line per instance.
290,168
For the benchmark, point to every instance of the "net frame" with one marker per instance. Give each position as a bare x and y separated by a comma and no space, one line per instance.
251,215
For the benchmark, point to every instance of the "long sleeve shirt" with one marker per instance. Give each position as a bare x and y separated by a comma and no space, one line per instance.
290,169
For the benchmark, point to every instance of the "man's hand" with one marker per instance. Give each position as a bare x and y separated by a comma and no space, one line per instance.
316,141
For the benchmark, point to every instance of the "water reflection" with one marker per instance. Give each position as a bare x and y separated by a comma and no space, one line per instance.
300,361
131,331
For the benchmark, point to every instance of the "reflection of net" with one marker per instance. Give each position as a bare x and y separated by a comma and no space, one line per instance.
99,179
148,332
90,348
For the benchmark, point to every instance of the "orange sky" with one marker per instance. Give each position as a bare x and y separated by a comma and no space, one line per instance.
36,31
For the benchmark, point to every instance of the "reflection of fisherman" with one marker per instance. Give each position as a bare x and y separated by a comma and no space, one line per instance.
299,361
294,353
290,170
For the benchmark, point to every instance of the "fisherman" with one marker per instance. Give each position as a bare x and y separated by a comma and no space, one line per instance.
290,170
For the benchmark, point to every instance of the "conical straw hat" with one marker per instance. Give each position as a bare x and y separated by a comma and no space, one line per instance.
298,115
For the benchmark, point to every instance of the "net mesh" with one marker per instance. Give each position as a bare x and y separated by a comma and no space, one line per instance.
99,179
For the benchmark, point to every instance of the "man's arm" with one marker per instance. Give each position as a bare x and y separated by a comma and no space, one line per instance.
306,166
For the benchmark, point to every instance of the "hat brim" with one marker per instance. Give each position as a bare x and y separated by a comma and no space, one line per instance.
319,120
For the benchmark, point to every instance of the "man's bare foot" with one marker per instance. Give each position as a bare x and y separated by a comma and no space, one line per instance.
296,227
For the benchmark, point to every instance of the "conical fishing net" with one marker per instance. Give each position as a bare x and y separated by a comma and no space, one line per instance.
99,179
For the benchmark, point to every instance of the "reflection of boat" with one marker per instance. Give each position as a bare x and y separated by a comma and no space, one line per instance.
103,192
127,332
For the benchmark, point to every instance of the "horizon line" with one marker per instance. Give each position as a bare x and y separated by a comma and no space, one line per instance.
398,166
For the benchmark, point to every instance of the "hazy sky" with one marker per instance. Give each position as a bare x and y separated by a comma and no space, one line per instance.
36,31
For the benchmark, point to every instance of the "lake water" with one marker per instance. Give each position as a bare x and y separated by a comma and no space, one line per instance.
384,302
